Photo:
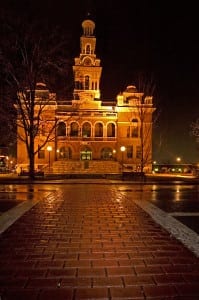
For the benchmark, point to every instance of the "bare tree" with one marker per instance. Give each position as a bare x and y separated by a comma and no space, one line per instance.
144,110
7,123
194,130
28,54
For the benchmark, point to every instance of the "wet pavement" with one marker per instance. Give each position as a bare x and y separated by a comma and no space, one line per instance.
180,201
95,241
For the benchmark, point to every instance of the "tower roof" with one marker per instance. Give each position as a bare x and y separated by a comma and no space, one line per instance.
88,27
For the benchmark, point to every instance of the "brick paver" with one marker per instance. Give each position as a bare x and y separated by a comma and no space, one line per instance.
93,242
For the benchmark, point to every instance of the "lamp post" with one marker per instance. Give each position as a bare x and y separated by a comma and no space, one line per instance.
114,152
122,149
57,154
49,149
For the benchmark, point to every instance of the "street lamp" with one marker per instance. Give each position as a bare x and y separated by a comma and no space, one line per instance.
49,149
57,154
122,149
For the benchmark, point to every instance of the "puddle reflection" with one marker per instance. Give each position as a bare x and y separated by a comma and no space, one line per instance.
176,197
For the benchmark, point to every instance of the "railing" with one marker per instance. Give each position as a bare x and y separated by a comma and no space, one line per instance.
79,138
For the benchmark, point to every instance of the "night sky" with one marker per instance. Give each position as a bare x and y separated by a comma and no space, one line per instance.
157,37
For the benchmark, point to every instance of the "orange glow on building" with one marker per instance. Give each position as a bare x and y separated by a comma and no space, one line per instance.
89,131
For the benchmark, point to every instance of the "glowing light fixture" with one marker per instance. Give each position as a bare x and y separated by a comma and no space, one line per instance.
122,149
49,149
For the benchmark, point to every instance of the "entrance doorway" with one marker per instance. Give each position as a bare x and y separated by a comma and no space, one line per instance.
86,155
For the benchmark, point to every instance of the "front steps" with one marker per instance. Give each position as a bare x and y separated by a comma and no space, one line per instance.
85,167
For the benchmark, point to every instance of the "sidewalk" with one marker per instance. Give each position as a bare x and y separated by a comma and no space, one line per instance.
150,178
93,242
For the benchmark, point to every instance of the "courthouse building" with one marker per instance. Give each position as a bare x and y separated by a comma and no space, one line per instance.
92,135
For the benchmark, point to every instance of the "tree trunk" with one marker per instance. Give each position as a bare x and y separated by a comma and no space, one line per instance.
31,160
142,146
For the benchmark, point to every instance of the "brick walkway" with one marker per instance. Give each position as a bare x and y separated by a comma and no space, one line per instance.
93,242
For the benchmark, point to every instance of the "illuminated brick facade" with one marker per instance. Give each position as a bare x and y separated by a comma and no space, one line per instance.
90,132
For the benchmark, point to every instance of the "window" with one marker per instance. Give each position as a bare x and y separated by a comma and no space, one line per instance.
74,128
106,153
98,130
65,153
129,151
86,82
2,161
88,49
111,130
138,152
134,128
128,132
134,132
86,130
61,129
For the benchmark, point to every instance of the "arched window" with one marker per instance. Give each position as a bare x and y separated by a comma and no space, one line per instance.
88,49
128,132
86,130
98,130
111,130
87,82
134,128
74,128
65,153
61,129
107,153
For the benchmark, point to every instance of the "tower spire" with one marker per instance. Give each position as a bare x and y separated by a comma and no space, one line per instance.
87,69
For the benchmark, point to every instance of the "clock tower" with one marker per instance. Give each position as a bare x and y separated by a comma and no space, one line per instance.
87,69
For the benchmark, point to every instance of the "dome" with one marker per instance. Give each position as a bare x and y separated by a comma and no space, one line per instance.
131,89
88,27
41,86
